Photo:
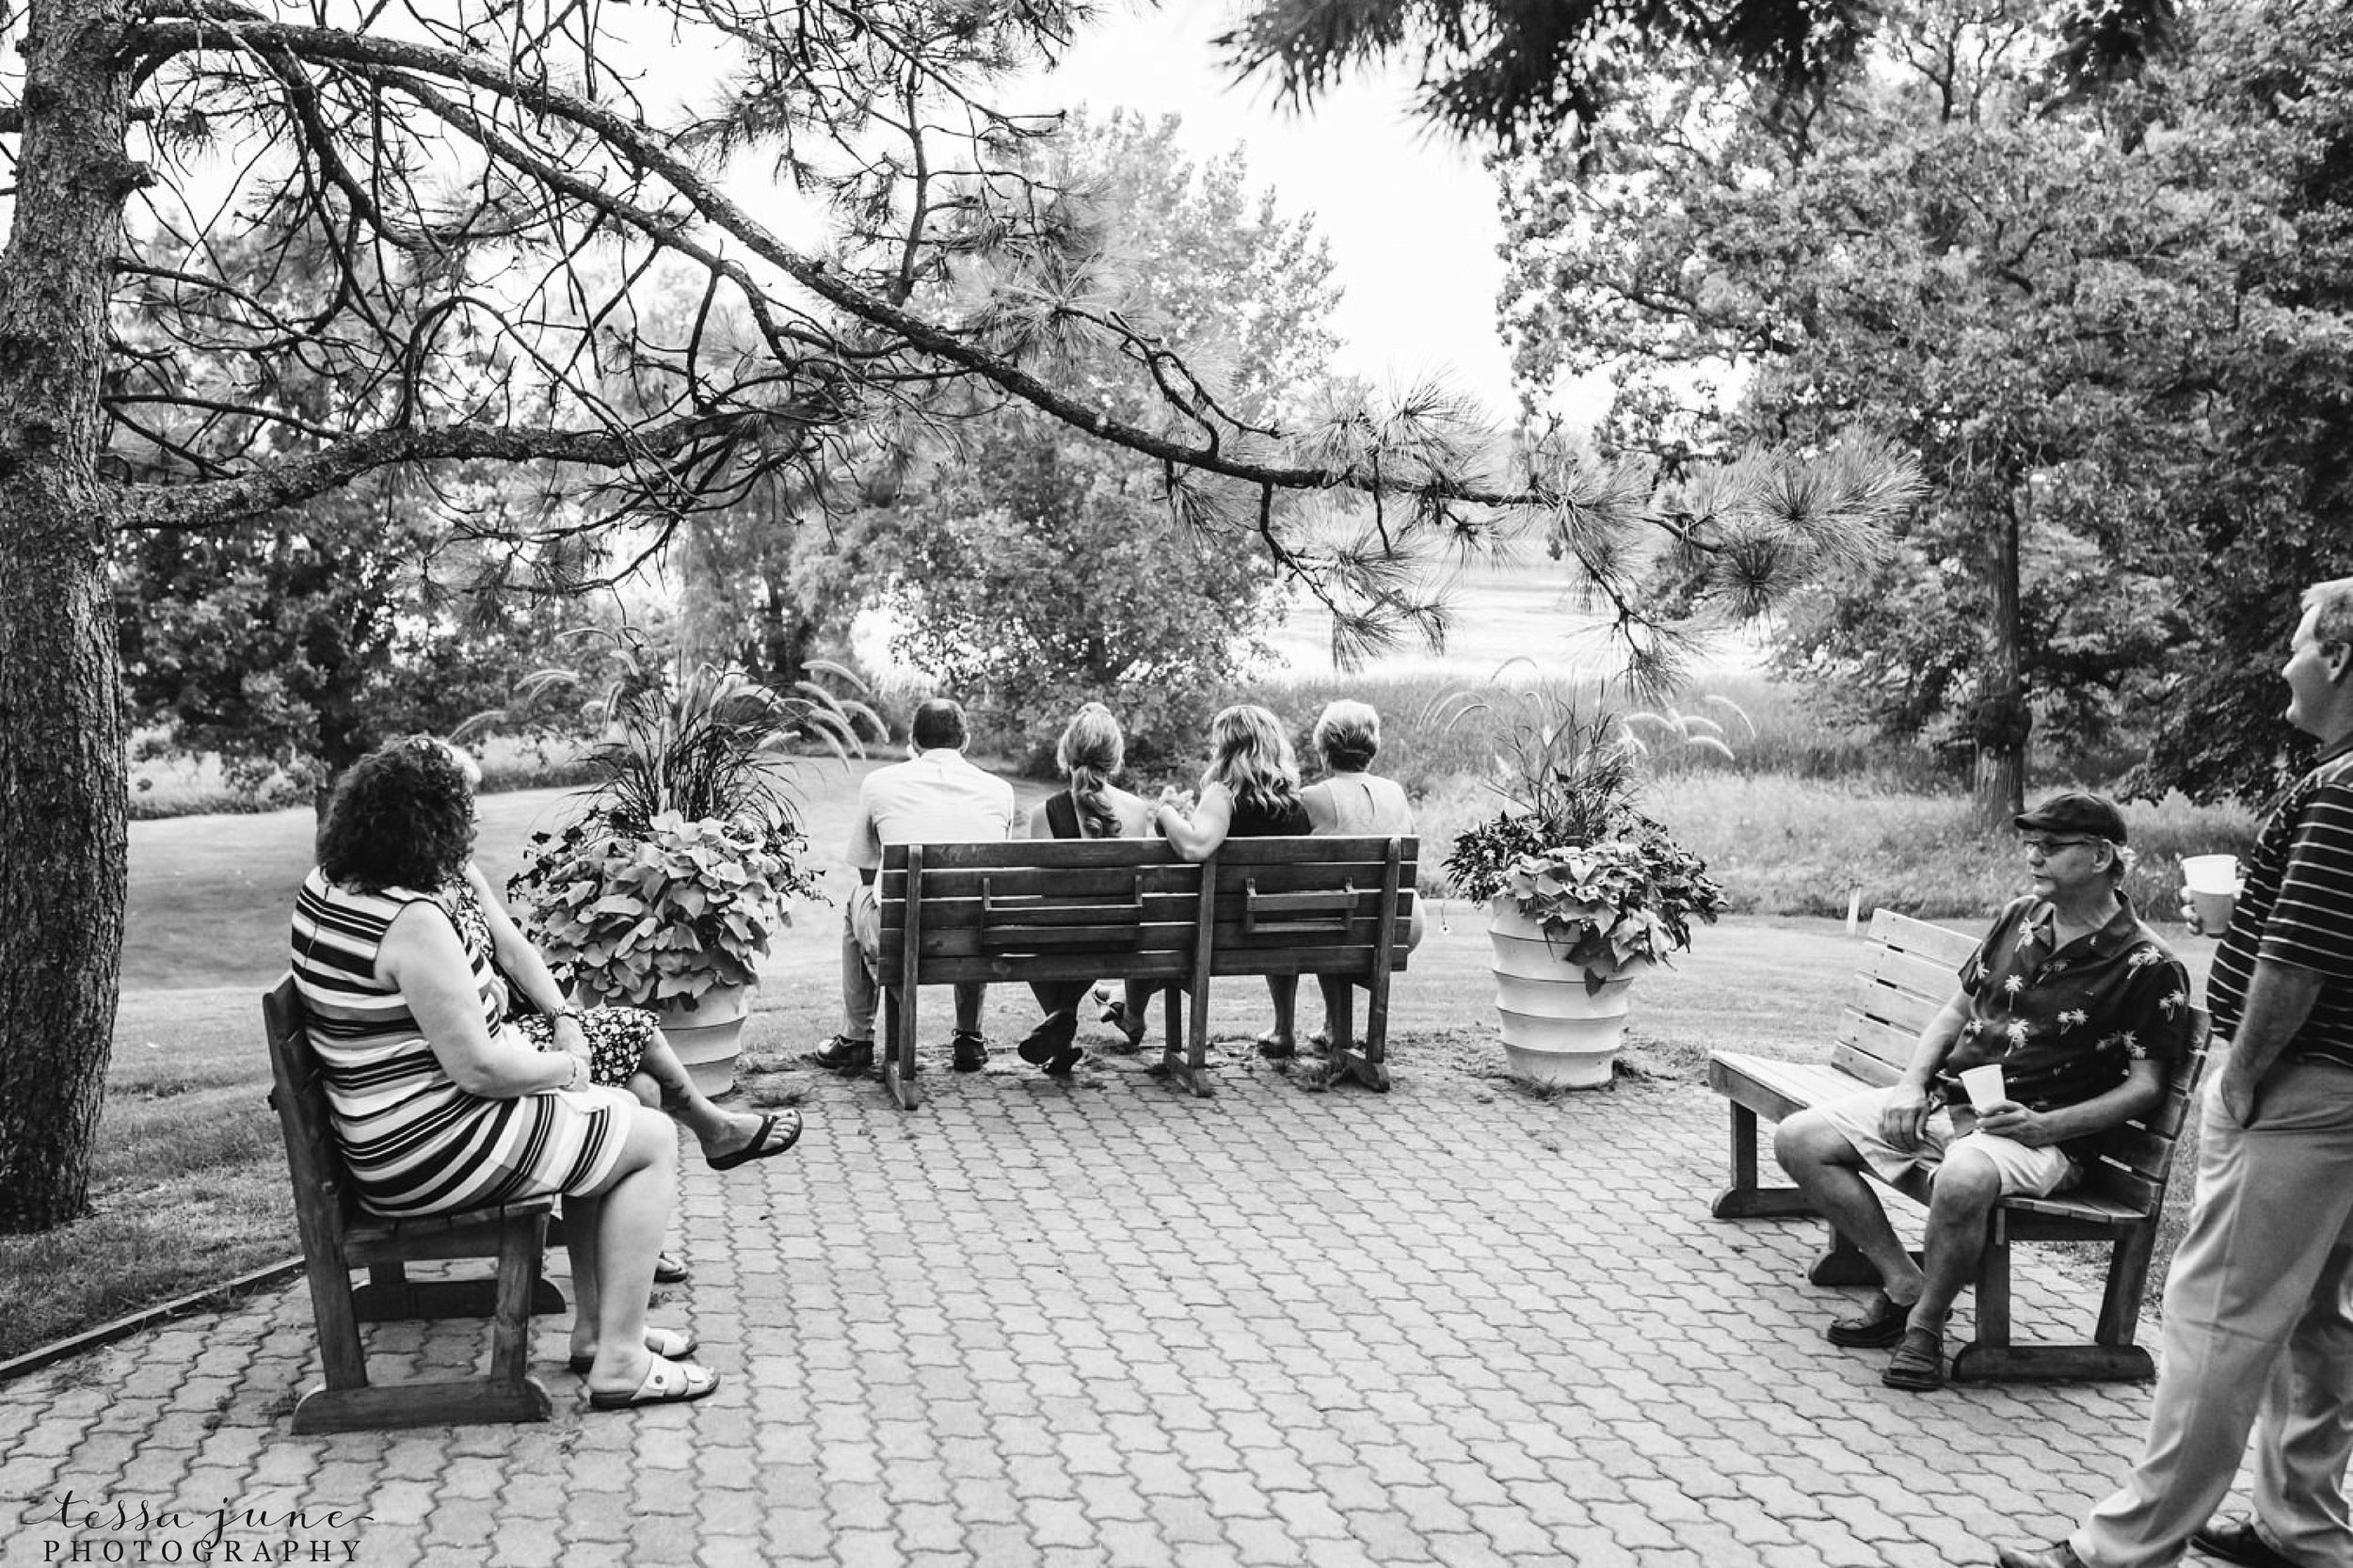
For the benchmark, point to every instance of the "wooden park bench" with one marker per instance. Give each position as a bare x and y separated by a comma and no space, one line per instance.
1913,971
339,1236
1131,909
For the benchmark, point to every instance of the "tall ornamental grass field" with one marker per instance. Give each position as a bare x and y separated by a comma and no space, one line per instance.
1786,846
1801,818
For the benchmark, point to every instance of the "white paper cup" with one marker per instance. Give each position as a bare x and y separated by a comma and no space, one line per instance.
2212,883
2211,874
1983,1085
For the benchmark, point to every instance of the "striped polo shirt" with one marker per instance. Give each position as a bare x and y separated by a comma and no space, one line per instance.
2297,910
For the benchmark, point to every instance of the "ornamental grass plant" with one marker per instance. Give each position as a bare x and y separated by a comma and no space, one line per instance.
688,847
1570,850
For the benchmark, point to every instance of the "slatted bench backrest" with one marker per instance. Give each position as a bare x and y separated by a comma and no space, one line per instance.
326,1205
1045,909
1913,971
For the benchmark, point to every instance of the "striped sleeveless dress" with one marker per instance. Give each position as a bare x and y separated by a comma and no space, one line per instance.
415,1142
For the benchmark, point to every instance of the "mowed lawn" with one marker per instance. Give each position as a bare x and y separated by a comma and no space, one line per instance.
190,1187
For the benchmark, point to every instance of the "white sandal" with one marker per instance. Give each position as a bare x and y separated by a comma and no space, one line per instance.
666,1382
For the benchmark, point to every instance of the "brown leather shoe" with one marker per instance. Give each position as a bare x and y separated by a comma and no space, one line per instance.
843,1055
1878,1328
1918,1363
2057,1555
2237,1540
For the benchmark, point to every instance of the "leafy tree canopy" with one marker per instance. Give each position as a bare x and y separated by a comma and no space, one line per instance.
2032,293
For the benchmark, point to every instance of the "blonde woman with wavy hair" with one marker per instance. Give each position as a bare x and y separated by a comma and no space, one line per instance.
1249,791
1092,752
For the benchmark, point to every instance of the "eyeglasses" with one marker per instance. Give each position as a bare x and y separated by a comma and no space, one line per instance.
2036,844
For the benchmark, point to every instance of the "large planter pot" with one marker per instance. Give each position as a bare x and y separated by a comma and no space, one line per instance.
709,1040
1558,1031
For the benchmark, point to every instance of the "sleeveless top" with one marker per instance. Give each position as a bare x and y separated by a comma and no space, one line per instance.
415,1142
1252,821
1062,817
1365,805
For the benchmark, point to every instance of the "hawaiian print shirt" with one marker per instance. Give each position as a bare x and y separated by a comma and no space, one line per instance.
2066,1024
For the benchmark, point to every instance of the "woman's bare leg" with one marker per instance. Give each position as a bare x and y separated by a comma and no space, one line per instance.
614,1247
1280,1040
663,1078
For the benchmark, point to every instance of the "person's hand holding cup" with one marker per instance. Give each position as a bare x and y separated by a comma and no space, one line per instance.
1983,1085
2210,885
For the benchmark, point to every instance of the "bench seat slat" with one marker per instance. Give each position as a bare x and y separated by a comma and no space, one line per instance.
1168,908
1174,879
1232,940
1076,965
1253,853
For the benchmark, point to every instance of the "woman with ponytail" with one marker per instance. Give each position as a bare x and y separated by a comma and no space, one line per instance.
1090,754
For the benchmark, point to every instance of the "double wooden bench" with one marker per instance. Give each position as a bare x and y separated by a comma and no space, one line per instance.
1911,971
1131,909
339,1236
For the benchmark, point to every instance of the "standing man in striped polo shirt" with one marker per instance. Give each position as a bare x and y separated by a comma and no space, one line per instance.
2259,1306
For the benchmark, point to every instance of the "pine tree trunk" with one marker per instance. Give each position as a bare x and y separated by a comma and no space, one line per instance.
62,764
2004,720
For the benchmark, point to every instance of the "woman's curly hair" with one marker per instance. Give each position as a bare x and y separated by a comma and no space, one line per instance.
1251,756
402,817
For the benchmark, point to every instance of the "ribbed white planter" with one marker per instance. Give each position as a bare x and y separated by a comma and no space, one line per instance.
1556,1031
709,1040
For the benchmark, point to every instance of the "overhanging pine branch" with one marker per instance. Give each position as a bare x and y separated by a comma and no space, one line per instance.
288,481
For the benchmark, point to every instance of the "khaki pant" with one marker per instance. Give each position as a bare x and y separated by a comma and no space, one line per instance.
2258,1336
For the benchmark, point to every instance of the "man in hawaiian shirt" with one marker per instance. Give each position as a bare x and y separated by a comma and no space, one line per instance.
2085,1011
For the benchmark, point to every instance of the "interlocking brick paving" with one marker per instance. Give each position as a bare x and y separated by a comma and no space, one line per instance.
1101,1323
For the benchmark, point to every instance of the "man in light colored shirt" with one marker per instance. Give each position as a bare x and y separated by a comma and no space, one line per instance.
934,797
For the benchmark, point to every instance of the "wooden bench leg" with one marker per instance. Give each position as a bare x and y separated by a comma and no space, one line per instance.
2112,1358
1346,1061
519,1254
1744,1199
1185,1051
898,1049
349,1402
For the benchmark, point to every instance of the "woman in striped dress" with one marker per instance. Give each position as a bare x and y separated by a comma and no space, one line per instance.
438,1105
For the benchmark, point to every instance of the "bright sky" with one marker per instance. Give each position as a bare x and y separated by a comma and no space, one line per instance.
1410,215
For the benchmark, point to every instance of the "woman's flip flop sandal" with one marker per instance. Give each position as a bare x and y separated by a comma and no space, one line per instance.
673,1343
760,1148
666,1382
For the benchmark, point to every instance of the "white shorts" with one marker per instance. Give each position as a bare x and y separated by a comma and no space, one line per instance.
2035,1172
